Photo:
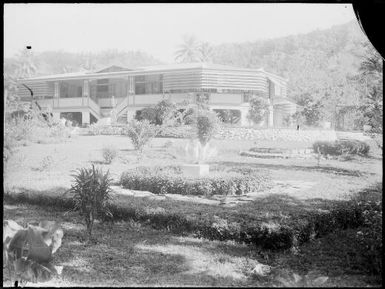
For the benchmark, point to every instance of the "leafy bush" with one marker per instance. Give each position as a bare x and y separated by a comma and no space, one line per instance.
341,147
148,113
258,108
109,153
8,144
163,110
140,133
190,116
207,125
170,180
34,127
46,163
91,195
228,115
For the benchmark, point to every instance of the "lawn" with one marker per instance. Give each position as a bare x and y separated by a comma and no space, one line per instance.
133,254
40,167
144,255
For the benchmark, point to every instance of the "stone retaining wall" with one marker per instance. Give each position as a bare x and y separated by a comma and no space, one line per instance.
276,134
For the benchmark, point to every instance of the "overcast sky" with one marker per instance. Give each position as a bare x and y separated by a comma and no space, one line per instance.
158,28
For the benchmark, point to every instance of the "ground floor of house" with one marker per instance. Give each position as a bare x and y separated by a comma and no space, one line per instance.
232,108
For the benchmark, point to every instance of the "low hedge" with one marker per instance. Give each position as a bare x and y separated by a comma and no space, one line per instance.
170,180
97,129
341,147
183,131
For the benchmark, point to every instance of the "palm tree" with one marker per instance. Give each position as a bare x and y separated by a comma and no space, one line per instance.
188,51
206,52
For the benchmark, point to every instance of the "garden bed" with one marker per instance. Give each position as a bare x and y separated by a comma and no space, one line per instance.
161,180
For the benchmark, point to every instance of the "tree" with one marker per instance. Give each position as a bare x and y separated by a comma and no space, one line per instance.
311,110
23,67
371,71
206,52
189,50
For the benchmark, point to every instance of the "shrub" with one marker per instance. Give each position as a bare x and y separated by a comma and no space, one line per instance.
9,144
109,154
190,115
207,125
91,194
140,133
258,108
170,180
46,163
341,147
163,110
148,113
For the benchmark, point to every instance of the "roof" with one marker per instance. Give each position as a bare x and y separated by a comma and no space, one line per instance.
191,65
115,70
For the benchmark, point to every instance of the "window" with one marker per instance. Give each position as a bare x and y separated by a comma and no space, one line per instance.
102,88
64,87
148,84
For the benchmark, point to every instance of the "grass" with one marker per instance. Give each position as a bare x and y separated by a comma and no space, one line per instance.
300,187
87,150
138,255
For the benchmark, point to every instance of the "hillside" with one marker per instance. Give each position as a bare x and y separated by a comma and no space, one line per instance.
321,63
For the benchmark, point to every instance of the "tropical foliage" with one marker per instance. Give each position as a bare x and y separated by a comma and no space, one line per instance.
258,109
140,133
91,195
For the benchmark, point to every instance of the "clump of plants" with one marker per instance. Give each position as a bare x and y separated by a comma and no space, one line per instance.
170,180
91,194
46,163
109,153
159,113
140,133
341,147
207,124
258,109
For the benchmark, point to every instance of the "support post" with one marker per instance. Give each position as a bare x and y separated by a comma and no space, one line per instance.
244,120
270,122
130,115
56,94
85,118
85,93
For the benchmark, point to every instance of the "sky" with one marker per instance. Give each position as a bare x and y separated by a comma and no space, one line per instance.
158,29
